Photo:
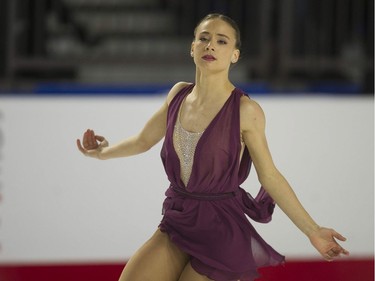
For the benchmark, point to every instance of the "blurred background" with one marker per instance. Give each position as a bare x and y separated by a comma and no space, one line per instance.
288,45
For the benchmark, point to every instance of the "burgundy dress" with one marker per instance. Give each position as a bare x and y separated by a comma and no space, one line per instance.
206,218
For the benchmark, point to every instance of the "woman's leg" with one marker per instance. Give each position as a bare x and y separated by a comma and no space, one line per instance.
190,274
157,260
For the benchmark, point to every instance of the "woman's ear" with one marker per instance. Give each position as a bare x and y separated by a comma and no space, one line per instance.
235,56
192,49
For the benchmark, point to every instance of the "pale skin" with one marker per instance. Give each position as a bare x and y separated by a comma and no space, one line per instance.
159,258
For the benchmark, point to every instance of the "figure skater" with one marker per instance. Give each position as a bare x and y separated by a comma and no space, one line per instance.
212,133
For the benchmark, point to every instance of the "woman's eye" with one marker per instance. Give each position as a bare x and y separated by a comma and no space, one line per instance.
222,42
203,39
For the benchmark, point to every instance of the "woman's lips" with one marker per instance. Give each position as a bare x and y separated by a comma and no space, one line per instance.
209,58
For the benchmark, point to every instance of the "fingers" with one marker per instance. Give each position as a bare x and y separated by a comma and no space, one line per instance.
90,146
329,255
99,138
335,252
325,241
338,236
332,253
89,140
345,252
102,140
79,145
340,250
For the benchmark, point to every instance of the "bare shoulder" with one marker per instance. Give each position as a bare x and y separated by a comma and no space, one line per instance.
251,114
175,89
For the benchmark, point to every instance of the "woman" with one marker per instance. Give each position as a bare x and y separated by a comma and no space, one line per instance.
211,128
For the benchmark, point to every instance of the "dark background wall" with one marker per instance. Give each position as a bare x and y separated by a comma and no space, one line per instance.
288,45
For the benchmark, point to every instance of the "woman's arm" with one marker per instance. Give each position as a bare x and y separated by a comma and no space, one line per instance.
253,133
151,134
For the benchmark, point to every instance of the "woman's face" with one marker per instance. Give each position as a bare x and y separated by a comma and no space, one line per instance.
214,45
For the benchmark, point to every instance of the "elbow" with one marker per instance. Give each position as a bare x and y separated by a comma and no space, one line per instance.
265,181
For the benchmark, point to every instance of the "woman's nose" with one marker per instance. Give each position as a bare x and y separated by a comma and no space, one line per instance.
210,46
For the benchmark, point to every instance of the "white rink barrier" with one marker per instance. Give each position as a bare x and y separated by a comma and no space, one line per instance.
57,205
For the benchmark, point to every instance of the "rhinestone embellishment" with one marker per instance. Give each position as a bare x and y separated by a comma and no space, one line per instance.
185,143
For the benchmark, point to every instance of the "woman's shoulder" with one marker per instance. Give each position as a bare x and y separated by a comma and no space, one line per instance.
250,109
176,89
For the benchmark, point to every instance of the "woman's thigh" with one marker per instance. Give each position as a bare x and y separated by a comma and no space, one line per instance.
158,259
190,274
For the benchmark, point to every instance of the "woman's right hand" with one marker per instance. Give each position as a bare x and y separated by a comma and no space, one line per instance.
92,144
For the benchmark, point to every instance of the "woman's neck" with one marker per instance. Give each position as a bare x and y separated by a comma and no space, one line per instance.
212,86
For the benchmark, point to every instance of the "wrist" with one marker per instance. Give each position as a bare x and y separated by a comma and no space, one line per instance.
99,153
311,230
102,149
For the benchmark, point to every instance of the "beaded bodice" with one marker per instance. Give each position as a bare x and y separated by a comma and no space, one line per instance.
184,143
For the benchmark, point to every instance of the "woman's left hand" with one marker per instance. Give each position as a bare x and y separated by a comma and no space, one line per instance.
324,241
